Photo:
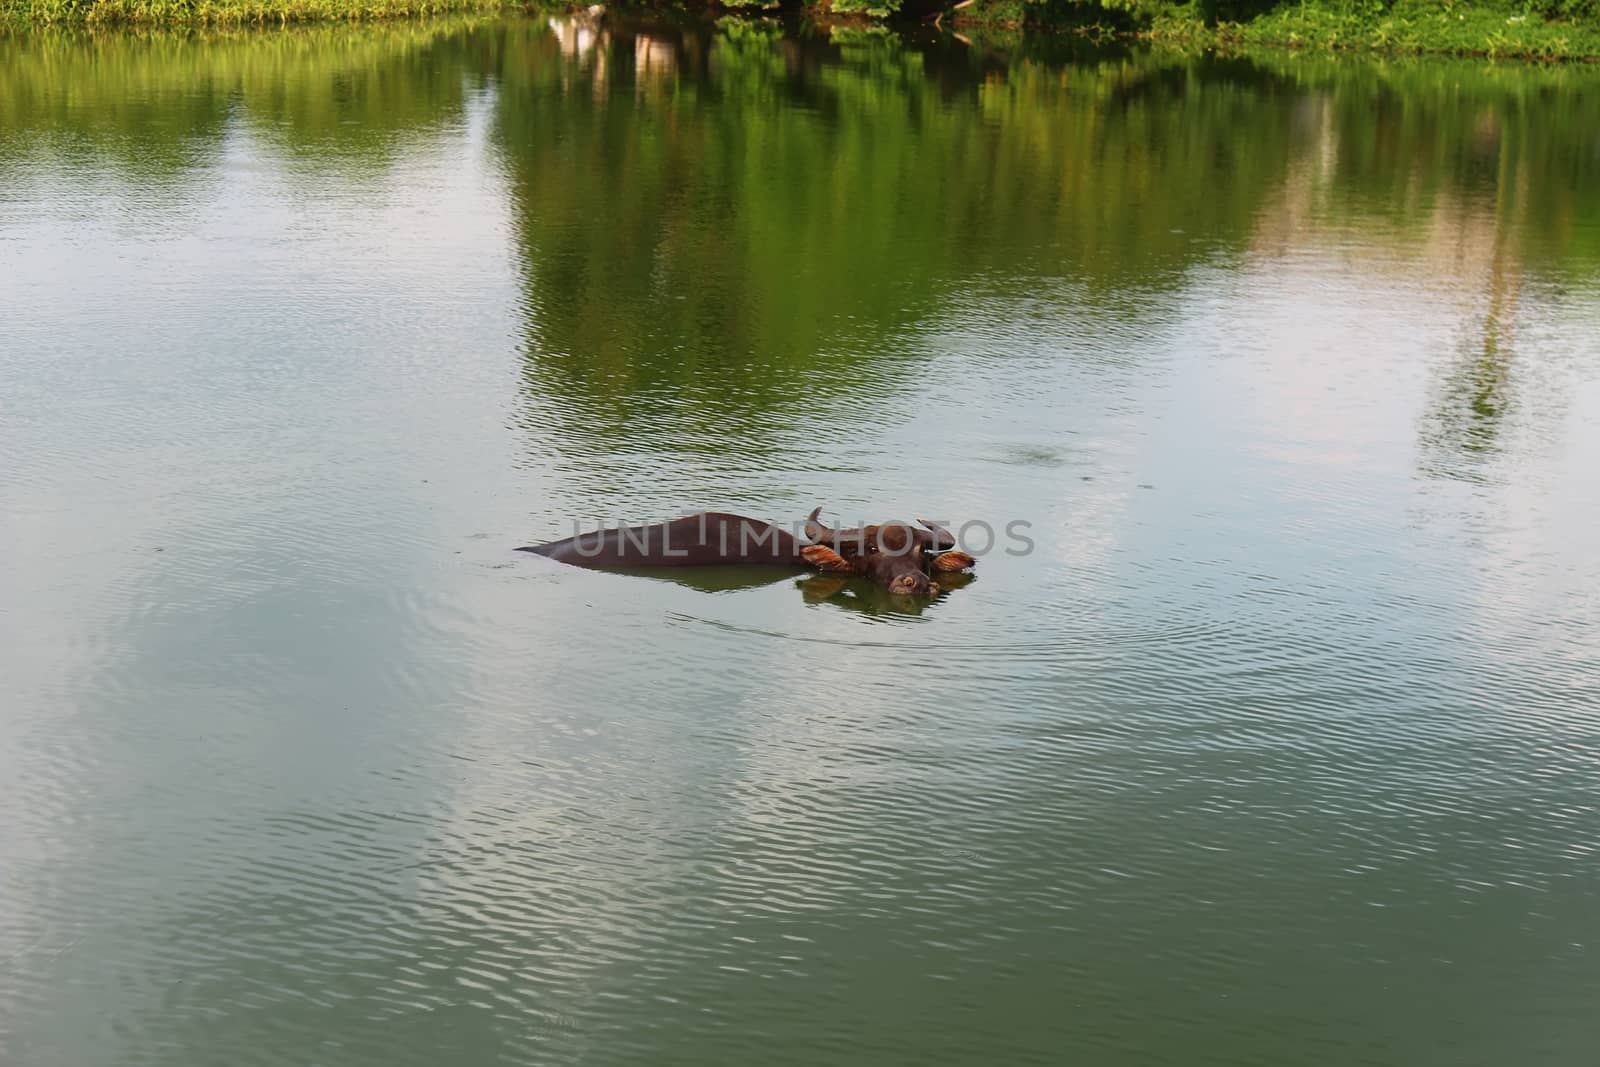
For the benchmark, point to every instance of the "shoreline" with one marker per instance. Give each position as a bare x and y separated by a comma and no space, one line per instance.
1414,29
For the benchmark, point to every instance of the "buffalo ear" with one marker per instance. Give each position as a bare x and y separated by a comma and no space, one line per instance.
953,561
825,559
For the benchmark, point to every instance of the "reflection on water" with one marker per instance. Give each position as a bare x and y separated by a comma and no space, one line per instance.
856,594
715,579
1475,393
1277,746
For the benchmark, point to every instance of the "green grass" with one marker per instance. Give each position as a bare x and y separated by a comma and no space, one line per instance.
229,12
1524,29
1408,26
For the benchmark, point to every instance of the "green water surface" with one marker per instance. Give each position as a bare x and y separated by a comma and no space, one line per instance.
1279,744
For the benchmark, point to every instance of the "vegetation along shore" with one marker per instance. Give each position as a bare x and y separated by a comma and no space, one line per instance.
1523,29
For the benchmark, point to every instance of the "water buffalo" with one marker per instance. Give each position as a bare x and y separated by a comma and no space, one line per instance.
897,556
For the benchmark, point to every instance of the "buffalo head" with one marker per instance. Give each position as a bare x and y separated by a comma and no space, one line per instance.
898,556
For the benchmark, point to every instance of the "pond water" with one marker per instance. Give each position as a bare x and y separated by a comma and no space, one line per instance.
1280,745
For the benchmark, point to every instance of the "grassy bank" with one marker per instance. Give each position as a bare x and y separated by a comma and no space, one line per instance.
229,12
1526,29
